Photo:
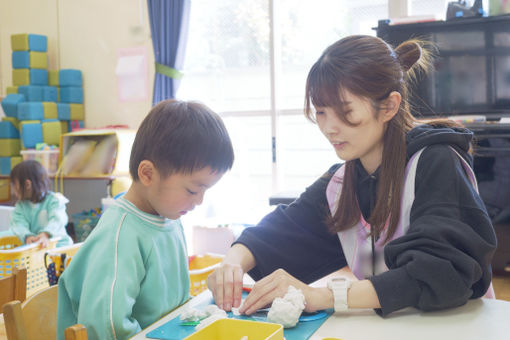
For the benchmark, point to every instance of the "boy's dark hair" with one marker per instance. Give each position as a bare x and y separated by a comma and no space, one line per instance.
181,137
36,173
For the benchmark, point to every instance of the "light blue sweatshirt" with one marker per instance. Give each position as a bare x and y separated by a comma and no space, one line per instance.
131,270
49,215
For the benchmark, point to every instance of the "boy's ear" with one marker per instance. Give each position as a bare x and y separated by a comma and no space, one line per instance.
146,172
390,106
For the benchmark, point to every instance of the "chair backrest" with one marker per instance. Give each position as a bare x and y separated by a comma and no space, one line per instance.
13,287
76,332
36,318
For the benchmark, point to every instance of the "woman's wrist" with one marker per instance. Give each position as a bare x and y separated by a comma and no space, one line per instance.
362,294
318,299
240,255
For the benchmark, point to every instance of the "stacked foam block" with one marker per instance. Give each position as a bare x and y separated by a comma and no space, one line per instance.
41,104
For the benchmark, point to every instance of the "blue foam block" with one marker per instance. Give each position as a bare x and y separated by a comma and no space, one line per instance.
32,93
10,104
31,134
64,111
5,165
20,59
50,94
71,95
38,76
30,111
37,42
70,77
8,130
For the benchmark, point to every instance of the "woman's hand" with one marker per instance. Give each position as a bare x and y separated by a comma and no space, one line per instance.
226,285
226,282
276,285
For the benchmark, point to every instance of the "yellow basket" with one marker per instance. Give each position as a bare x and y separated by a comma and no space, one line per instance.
9,242
200,267
29,256
237,329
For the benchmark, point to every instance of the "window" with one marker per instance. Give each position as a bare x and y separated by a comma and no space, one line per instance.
231,67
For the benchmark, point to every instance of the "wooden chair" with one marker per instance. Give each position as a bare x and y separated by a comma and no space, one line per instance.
36,318
76,332
13,287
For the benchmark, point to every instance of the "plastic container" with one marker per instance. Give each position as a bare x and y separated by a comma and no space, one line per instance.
200,267
9,242
56,261
84,223
237,329
31,257
48,158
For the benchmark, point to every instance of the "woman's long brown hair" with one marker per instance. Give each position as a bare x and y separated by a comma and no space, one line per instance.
369,68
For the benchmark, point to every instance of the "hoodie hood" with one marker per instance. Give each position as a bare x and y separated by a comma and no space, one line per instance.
419,137
424,135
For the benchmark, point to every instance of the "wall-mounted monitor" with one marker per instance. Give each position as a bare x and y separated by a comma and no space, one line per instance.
471,73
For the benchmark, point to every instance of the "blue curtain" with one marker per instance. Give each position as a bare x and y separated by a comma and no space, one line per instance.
169,20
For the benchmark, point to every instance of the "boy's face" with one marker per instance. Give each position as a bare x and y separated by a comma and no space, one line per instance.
179,193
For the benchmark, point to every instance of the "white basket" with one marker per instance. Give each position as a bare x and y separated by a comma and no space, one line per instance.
48,158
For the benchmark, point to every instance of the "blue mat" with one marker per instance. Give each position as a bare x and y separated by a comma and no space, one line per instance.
173,330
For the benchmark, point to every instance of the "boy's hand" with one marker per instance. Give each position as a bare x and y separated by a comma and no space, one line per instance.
226,285
44,238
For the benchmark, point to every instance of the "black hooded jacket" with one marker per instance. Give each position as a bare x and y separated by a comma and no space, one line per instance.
441,262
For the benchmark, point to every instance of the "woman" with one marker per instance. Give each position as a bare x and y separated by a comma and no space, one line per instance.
403,212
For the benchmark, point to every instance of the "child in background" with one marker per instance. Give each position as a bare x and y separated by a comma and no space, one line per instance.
39,214
133,267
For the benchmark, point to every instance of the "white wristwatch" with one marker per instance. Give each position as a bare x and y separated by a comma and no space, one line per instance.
340,286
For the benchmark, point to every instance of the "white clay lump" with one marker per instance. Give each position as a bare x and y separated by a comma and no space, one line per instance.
287,310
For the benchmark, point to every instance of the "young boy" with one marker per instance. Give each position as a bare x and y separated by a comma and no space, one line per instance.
133,268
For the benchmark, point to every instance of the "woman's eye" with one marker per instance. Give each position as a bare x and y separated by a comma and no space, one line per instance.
319,112
191,192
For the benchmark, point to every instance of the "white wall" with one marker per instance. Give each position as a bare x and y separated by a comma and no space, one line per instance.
85,35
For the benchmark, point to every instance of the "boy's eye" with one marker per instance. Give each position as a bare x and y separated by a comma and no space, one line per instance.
191,192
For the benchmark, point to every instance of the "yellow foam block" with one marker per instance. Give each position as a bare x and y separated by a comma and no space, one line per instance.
51,132
12,89
23,122
13,120
38,60
21,76
64,126
9,147
50,110
19,42
77,111
15,161
4,189
53,78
